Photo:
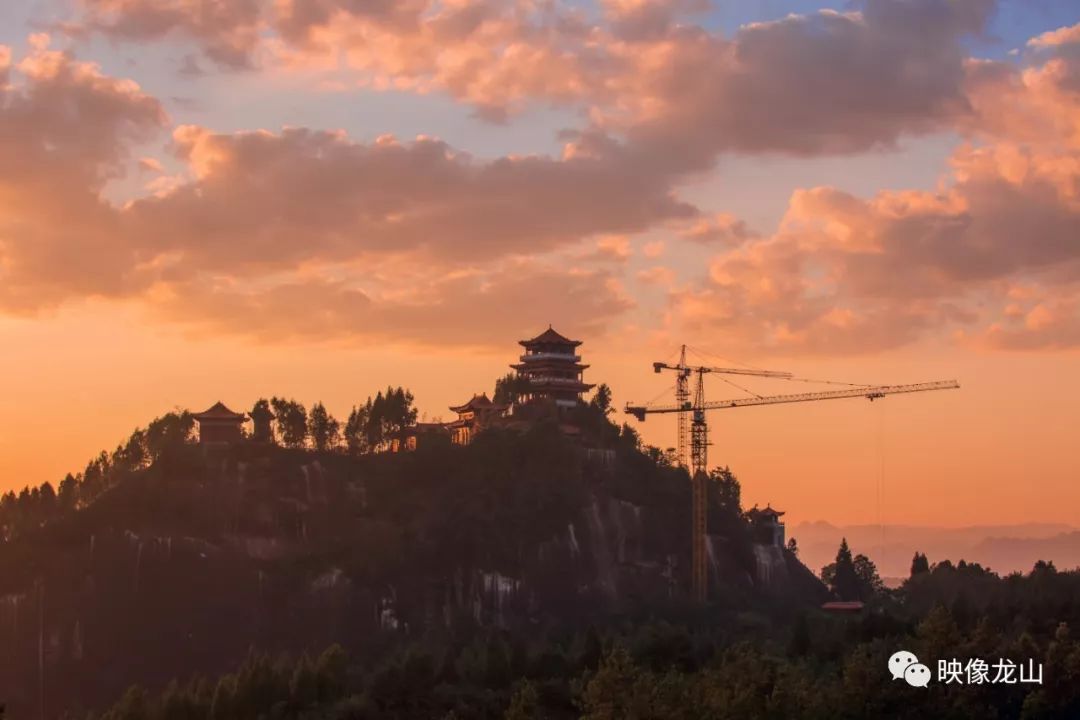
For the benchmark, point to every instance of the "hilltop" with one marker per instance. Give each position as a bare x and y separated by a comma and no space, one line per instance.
168,557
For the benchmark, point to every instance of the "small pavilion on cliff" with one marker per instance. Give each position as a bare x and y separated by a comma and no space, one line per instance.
219,425
766,525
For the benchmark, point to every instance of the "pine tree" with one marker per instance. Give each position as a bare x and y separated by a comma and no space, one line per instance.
840,576
919,564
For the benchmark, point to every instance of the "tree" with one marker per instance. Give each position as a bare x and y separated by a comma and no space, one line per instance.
68,494
509,388
356,429
47,496
726,491
168,432
617,690
524,703
870,583
919,564
324,429
291,419
601,399
840,576
793,547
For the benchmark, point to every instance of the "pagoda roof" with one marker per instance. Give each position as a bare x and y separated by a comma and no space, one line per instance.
767,511
219,412
549,337
477,402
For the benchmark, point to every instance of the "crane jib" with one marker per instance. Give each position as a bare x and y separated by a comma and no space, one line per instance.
871,393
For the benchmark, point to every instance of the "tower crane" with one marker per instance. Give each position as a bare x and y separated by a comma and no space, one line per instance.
692,413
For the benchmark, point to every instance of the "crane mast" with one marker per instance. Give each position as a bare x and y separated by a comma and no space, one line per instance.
692,423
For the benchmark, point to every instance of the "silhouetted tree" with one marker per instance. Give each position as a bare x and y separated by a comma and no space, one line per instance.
324,429
840,576
356,438
726,491
168,432
919,564
68,493
870,584
601,399
509,388
291,419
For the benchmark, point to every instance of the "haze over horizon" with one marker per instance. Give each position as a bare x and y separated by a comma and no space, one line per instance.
240,199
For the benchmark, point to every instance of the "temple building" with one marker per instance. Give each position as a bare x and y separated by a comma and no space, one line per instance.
553,370
413,436
219,425
766,526
474,416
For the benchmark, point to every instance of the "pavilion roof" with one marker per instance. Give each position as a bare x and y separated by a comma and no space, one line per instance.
477,402
550,337
219,412
767,511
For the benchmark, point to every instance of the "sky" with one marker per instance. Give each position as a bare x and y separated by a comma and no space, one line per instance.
206,200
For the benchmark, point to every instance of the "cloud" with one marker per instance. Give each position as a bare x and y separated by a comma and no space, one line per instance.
613,248
641,20
65,129
261,220
1047,323
846,274
227,30
657,275
720,229
261,201
1037,103
1055,38
824,82
471,309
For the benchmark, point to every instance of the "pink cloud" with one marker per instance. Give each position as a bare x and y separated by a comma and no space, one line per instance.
476,309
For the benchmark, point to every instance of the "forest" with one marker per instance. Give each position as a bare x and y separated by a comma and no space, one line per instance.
718,666
161,610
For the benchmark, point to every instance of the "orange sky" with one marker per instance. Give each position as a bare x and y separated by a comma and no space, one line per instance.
997,451
272,200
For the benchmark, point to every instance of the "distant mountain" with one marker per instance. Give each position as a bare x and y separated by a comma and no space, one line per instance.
1003,548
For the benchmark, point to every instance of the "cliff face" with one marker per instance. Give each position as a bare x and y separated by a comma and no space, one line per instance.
184,569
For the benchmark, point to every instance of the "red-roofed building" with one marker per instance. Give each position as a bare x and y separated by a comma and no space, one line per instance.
474,416
220,425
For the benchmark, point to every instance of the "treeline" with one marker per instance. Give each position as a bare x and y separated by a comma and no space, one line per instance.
745,666
33,507
371,427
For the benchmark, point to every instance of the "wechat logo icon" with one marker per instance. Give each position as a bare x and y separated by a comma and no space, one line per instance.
904,665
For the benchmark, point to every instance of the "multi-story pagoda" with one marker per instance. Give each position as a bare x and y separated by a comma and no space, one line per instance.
553,370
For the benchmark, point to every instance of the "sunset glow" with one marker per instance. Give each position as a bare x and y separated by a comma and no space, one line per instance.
236,199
